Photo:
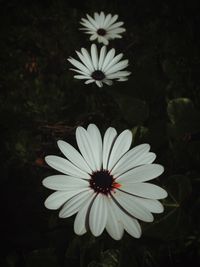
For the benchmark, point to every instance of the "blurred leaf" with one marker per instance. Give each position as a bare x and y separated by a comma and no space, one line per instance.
180,110
135,111
174,222
41,258
183,116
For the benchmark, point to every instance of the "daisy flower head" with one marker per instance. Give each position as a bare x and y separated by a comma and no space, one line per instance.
104,183
102,67
102,27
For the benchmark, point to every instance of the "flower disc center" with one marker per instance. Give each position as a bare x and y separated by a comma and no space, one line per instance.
98,75
101,32
101,181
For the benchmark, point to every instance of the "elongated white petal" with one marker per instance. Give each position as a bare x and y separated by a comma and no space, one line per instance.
145,190
114,224
131,207
96,143
117,30
73,155
112,20
92,21
64,183
65,166
115,25
94,56
152,205
131,159
84,144
119,66
131,225
79,65
110,55
107,20
98,215
141,174
102,56
82,77
73,205
57,199
121,145
119,75
81,217
85,60
114,61
108,142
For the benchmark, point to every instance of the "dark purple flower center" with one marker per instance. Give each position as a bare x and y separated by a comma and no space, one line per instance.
101,32
102,182
98,75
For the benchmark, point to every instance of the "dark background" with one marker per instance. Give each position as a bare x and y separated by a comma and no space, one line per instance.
41,102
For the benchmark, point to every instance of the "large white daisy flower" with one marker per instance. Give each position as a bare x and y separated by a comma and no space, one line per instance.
104,183
102,68
102,27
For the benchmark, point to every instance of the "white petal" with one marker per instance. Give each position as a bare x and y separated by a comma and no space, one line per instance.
121,145
152,205
57,199
119,75
92,21
116,30
113,61
85,58
145,190
114,224
65,166
108,82
110,55
141,174
98,215
73,155
87,24
84,144
102,57
74,204
64,182
108,142
115,25
96,143
81,217
79,71
131,225
131,207
82,77
119,66
79,65
107,20
94,56
112,20
97,18
134,157
93,36
103,39
89,81
102,19
99,83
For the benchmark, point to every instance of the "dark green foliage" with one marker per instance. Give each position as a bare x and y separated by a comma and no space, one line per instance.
41,103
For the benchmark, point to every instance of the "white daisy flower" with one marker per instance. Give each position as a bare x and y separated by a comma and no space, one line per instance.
102,68
102,27
105,183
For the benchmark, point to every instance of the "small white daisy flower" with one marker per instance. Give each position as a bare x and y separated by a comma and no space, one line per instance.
104,183
102,68
102,27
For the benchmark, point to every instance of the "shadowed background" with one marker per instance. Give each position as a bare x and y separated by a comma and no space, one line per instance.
41,103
